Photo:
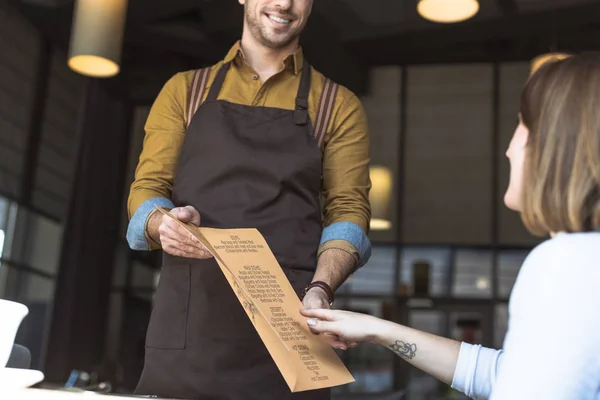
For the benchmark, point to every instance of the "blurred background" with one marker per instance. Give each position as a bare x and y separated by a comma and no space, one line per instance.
441,92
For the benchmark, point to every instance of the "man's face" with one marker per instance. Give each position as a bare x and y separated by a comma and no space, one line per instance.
276,23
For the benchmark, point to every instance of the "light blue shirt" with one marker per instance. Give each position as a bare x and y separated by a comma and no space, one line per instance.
347,231
552,347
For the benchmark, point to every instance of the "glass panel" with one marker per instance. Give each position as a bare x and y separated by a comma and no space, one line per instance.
1,242
3,280
377,276
382,105
509,264
44,240
500,324
37,293
448,152
3,212
33,240
466,327
473,272
55,171
424,271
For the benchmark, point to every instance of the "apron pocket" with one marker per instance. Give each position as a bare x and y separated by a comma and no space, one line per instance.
168,322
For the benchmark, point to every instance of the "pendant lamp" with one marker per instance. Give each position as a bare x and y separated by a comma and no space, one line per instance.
380,198
447,11
97,37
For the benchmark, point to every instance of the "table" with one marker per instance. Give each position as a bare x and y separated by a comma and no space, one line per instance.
44,394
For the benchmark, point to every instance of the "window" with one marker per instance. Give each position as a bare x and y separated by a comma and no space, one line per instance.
424,271
509,264
473,273
377,276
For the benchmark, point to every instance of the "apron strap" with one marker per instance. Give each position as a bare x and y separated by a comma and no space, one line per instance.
325,110
196,92
218,82
301,111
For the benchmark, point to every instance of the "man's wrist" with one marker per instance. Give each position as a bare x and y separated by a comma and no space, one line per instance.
154,221
324,289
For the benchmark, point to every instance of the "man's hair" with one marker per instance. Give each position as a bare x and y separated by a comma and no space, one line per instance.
560,105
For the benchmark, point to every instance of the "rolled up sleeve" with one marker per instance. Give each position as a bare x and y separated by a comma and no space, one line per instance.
346,181
154,175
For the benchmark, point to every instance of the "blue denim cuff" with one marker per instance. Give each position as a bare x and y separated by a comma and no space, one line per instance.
136,230
352,233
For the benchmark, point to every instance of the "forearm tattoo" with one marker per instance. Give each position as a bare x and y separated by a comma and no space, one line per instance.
404,350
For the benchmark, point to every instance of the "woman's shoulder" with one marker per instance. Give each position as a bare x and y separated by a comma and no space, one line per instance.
566,264
577,248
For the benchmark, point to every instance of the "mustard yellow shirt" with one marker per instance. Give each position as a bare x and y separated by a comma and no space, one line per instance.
345,150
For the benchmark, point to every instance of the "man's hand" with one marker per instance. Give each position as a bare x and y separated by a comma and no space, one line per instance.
316,299
174,239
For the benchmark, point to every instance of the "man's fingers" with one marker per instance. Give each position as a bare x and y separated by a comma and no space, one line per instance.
173,230
170,247
194,215
179,249
320,313
166,231
182,213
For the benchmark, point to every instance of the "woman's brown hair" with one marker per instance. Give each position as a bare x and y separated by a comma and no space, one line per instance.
560,106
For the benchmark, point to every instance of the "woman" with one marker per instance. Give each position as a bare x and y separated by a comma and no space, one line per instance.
552,347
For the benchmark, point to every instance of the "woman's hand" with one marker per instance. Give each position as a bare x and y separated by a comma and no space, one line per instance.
347,326
432,354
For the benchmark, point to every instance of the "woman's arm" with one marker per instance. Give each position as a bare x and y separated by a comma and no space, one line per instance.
470,369
432,354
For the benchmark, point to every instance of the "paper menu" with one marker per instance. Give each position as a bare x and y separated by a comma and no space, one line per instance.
305,360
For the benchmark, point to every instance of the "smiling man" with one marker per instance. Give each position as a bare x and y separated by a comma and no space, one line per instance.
259,140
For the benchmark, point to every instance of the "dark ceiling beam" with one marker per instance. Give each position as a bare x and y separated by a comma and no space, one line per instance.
152,40
339,12
47,3
145,11
502,50
390,49
507,7
222,17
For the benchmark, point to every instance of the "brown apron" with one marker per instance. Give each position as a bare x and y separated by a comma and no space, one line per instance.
240,166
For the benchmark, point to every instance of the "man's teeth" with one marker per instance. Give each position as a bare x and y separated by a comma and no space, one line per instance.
280,20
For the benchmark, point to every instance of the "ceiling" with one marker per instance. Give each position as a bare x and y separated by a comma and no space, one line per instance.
344,37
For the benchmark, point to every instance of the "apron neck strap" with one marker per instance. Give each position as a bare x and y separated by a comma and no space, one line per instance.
218,82
301,111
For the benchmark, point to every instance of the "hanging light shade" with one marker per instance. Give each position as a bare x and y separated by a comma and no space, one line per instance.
542,59
380,198
97,37
447,11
